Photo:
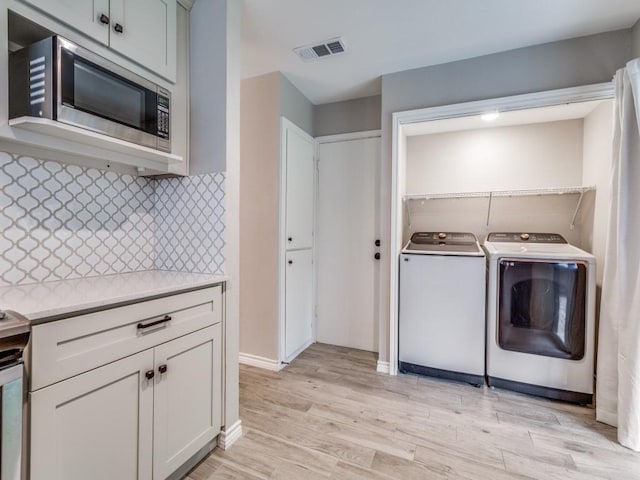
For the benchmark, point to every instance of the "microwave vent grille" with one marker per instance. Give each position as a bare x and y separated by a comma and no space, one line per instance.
37,80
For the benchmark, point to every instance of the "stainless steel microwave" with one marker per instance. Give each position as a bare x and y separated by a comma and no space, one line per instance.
58,80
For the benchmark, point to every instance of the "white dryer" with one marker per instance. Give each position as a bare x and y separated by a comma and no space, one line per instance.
540,316
442,307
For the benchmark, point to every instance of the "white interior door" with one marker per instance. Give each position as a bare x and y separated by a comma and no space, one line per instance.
347,272
299,302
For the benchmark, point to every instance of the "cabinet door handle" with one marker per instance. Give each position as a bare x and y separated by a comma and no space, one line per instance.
104,19
290,262
290,239
162,369
149,374
143,326
118,28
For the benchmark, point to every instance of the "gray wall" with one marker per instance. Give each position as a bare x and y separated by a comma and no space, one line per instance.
215,44
569,63
635,39
294,106
208,84
358,115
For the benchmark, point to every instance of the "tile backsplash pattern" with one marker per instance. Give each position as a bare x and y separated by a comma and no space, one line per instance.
63,221
189,213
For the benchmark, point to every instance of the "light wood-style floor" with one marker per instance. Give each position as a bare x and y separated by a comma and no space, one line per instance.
329,415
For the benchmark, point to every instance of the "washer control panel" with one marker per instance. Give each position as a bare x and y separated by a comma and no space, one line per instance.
443,237
521,237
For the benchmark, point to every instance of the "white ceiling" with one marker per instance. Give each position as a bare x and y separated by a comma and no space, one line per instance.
385,36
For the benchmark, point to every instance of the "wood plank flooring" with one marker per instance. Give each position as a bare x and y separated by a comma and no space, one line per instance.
329,415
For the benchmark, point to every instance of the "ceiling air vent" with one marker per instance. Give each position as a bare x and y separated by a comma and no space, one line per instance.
328,48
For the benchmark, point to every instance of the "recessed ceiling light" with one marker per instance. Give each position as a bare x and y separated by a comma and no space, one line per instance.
490,116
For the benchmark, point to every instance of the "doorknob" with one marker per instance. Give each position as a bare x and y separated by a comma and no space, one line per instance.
377,256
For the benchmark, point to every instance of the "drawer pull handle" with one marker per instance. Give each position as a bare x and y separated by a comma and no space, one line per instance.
143,326
162,369
149,374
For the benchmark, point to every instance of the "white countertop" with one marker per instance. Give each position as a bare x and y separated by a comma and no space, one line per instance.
40,302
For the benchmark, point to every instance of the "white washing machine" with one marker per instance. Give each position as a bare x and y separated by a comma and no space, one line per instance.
540,316
442,307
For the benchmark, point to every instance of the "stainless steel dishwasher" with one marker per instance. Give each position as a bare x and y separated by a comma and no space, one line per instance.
14,336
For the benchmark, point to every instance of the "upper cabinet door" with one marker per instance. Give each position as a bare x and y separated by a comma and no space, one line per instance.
145,31
298,151
83,15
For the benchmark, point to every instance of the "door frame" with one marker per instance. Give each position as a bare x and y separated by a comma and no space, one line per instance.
338,138
286,125
599,91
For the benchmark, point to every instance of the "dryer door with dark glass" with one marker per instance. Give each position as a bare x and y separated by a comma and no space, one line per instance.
542,307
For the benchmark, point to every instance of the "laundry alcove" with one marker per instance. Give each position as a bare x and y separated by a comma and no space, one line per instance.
542,165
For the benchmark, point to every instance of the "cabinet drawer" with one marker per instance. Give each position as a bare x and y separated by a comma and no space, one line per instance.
68,347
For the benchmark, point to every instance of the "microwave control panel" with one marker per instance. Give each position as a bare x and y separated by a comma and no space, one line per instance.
163,114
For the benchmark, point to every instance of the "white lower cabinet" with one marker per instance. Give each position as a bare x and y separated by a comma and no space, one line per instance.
140,417
187,399
97,425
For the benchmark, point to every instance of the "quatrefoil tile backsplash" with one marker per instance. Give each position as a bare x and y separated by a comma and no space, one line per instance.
63,221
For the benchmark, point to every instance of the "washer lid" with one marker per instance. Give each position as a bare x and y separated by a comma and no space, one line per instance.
444,243
557,251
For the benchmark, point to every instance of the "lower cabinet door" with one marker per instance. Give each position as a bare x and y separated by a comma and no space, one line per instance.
188,398
97,425
298,302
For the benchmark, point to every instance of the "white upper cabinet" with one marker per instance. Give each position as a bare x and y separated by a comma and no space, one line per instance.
145,31
298,162
142,30
83,15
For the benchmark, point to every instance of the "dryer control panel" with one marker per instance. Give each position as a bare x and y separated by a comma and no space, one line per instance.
526,237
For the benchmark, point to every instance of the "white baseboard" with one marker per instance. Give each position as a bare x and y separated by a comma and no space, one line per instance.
260,362
299,351
231,435
382,367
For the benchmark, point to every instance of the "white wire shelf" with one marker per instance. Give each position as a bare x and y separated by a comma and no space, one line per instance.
580,190
502,193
